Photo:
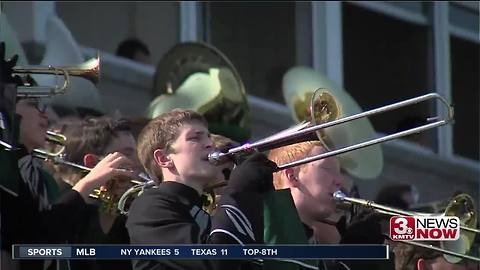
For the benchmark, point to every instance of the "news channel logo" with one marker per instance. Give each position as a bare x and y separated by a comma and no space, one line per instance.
424,228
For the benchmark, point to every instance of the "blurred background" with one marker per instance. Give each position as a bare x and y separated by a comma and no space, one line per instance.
380,52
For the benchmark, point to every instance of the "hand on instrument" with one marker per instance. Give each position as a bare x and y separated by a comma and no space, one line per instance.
113,165
6,67
255,174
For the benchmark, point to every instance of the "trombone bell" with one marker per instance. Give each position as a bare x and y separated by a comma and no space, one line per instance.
286,138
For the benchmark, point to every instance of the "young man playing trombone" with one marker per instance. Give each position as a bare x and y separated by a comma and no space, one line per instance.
311,187
174,147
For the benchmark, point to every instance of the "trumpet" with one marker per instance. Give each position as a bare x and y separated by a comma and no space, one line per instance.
304,131
110,200
461,206
103,194
56,139
89,70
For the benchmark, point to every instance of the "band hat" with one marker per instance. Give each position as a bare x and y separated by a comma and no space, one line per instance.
365,163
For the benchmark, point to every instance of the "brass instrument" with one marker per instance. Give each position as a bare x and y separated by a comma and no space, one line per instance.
137,189
304,131
332,102
56,139
191,68
109,200
208,196
89,70
461,206
199,77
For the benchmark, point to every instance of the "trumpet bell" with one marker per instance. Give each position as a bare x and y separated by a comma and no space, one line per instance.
64,55
89,69
300,83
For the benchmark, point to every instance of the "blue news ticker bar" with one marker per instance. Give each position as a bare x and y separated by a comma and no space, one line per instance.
127,252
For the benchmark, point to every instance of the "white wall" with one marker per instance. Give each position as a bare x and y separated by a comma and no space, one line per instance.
104,25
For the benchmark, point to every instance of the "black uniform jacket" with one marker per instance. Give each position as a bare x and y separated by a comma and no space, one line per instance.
24,222
172,214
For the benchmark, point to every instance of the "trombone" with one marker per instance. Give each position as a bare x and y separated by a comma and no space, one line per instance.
302,131
469,219
89,70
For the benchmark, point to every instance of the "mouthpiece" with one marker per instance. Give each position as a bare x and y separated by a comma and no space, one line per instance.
217,158
339,195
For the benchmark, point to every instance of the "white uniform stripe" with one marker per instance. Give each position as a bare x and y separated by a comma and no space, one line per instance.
228,233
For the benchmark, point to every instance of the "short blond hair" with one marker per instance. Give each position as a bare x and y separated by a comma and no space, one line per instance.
287,154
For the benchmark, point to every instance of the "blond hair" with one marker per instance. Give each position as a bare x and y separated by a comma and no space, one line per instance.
288,154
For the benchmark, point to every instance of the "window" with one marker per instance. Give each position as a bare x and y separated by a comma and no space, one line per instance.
465,95
259,39
385,61
104,25
461,17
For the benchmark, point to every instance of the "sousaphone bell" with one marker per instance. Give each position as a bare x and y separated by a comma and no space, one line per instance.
199,77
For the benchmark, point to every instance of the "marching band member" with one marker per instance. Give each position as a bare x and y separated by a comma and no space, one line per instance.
88,141
27,216
311,187
174,147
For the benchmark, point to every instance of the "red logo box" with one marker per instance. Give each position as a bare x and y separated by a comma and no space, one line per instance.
402,228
